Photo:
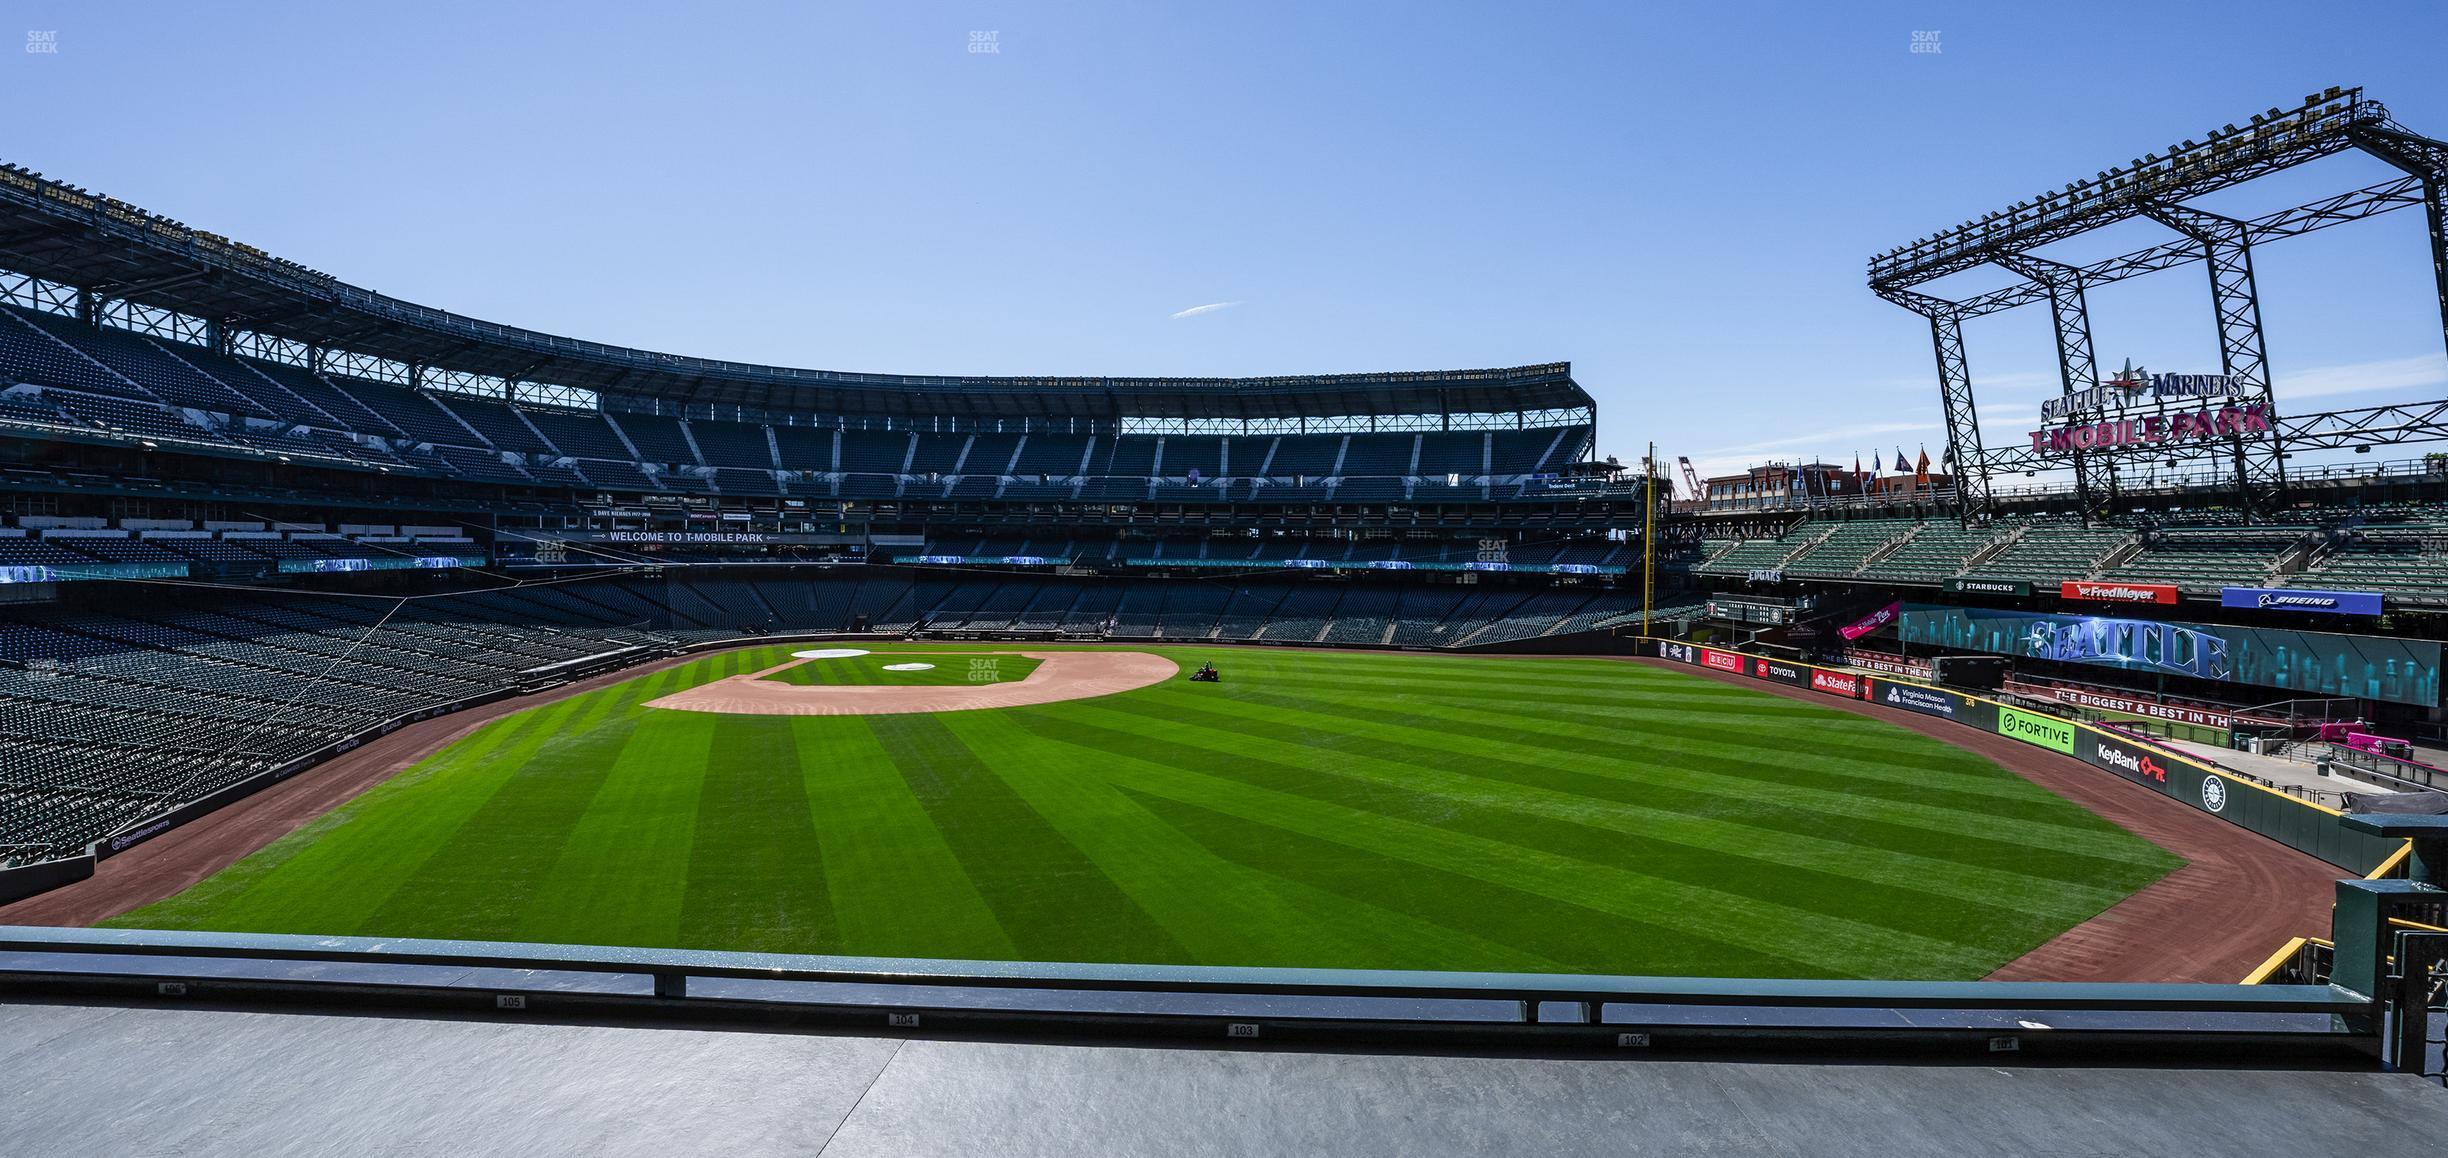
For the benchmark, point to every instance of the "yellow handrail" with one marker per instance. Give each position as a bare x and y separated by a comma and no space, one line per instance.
2276,961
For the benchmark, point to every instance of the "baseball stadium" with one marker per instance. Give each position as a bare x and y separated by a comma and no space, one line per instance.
379,682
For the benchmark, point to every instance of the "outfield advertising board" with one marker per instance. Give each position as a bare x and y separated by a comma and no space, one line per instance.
1885,664
2294,822
1836,683
2130,706
1780,672
1987,587
1915,698
2301,599
2311,663
2159,593
2037,729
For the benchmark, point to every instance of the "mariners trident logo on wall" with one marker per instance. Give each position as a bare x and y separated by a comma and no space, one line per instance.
2134,384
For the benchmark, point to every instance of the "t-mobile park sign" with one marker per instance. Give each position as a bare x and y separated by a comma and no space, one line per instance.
2155,430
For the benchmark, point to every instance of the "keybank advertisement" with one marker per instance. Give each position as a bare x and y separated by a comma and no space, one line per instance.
2305,663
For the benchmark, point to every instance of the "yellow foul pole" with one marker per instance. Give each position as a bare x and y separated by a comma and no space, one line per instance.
1648,536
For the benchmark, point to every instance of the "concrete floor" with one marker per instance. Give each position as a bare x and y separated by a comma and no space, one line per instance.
98,1079
2278,769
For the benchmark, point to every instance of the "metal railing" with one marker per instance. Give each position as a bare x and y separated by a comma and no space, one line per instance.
1230,1002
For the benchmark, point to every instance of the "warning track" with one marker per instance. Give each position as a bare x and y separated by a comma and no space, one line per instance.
2237,899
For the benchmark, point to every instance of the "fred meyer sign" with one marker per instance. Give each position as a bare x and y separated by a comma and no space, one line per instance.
2290,599
2031,728
2119,592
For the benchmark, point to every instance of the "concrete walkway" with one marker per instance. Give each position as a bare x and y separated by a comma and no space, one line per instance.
78,1079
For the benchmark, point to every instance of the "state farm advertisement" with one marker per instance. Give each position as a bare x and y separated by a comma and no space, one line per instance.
1721,660
1836,683
2164,593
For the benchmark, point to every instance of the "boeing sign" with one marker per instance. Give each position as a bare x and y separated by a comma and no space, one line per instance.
2301,599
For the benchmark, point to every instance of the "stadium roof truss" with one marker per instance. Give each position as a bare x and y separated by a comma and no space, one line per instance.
2156,188
77,252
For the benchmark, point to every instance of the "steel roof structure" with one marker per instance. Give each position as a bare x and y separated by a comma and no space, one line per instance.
108,250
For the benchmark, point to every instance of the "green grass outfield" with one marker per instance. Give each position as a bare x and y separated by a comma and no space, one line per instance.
1316,808
965,668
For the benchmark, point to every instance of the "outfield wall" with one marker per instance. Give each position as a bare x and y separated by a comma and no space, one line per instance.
2297,823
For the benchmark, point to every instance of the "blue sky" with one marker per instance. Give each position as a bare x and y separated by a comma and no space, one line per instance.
1677,199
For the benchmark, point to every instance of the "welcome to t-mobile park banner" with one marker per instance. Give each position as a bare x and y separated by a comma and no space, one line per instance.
1872,622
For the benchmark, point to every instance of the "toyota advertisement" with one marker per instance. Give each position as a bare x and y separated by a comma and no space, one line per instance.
1779,671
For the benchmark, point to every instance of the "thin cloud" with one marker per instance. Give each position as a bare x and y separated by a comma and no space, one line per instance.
2418,372
1209,308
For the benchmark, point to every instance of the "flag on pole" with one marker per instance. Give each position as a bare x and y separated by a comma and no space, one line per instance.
1874,462
1899,460
1921,468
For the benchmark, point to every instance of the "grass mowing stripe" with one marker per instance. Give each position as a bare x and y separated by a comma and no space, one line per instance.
326,875
1577,938
1826,940
1782,797
1222,912
1012,854
1866,748
1383,767
624,866
756,876
897,889
343,868
502,851
1660,846
1641,802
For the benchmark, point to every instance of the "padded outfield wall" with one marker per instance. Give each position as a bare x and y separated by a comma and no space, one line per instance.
2297,823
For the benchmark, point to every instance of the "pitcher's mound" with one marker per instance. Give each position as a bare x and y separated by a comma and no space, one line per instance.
1061,675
